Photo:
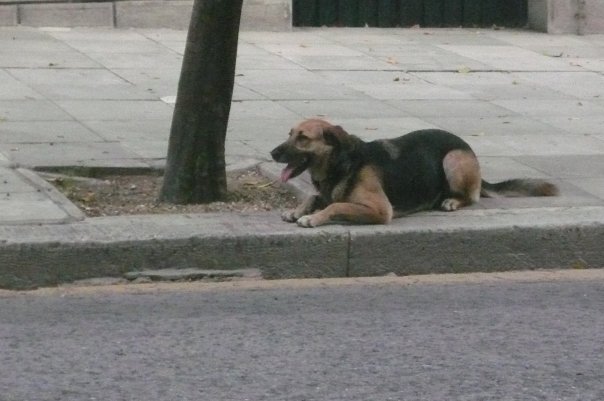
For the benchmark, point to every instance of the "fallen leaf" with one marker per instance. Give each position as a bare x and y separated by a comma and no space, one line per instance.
268,184
391,60
579,264
464,70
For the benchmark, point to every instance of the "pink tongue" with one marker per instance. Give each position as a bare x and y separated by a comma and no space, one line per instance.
286,173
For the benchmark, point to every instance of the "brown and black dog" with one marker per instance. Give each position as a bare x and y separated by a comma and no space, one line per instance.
372,182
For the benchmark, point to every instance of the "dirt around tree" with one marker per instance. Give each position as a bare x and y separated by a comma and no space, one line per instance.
115,195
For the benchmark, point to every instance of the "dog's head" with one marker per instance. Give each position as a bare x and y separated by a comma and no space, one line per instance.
309,143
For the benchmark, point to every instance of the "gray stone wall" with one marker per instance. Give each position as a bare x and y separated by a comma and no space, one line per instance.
552,16
567,16
265,15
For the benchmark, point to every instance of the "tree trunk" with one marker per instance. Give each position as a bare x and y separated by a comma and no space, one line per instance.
195,166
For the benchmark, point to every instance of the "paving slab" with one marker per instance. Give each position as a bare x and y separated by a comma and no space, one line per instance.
28,41
446,108
508,124
309,50
410,91
594,186
370,129
555,145
265,61
338,109
501,168
570,108
116,109
79,84
136,59
160,81
424,58
261,110
527,39
579,84
511,58
582,125
567,166
596,65
47,58
101,36
14,132
31,110
131,130
11,88
68,154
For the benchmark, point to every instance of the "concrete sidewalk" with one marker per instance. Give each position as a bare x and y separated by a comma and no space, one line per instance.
530,104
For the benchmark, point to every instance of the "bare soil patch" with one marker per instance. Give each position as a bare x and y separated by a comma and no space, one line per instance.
115,195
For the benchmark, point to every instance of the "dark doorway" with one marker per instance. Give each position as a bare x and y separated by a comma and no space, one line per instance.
406,13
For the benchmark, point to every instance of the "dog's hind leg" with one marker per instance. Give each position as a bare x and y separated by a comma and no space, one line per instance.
463,177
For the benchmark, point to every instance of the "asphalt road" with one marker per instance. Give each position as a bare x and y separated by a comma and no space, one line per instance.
498,337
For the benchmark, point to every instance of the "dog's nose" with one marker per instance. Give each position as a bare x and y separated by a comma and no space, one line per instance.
277,153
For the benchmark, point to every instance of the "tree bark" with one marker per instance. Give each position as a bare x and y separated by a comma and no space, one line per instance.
195,166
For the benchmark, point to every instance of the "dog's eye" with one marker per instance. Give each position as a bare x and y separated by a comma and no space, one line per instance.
302,139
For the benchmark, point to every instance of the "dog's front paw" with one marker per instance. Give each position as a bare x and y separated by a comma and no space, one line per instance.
306,221
289,216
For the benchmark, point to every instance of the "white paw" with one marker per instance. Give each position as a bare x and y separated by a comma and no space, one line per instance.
450,205
289,216
305,221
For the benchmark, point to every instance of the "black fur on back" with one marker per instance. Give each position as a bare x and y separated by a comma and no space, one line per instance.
413,176
416,178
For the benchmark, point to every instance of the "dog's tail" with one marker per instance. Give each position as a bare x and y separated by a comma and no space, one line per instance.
518,187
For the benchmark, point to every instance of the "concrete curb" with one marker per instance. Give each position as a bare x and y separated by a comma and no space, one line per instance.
434,242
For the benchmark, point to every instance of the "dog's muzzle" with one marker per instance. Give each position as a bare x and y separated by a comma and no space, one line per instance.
296,160
278,153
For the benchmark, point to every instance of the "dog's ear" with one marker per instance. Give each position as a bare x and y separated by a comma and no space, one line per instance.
334,135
